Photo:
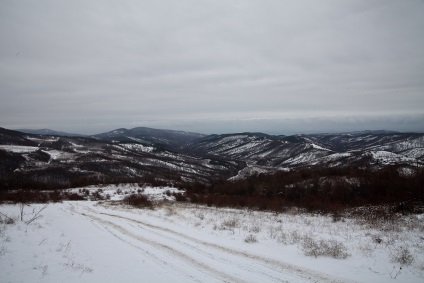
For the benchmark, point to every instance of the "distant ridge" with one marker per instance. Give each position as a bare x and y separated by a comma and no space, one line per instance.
177,155
365,132
167,138
48,132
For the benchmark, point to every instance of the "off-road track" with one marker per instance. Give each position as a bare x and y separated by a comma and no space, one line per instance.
186,255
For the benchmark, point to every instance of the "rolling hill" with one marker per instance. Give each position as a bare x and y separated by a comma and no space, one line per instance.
152,155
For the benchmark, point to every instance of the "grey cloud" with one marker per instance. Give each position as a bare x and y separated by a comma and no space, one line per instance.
204,65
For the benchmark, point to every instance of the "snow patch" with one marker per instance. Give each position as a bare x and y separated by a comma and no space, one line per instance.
319,147
19,148
137,147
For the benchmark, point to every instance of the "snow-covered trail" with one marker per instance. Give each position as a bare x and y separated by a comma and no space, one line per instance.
88,241
189,257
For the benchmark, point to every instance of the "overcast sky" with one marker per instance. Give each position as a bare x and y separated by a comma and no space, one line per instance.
212,66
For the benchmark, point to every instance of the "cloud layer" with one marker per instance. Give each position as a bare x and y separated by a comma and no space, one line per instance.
212,65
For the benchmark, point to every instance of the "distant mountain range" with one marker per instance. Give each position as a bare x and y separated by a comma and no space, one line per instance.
48,132
165,138
46,156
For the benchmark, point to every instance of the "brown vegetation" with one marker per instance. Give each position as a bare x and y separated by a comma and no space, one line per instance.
316,190
138,200
36,196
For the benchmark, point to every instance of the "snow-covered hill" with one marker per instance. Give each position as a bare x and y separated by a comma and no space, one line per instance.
48,132
165,138
64,161
264,152
145,153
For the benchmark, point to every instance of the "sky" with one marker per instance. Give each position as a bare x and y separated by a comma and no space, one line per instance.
212,66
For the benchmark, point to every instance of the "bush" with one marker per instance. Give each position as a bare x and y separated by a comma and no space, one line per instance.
250,239
317,189
73,196
331,248
97,195
37,196
138,201
229,224
403,256
7,219
179,197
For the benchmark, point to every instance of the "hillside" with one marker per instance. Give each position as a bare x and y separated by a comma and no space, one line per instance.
264,153
165,138
53,161
151,155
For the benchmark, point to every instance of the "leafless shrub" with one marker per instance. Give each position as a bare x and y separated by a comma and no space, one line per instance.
419,265
295,237
255,228
273,231
139,201
73,196
78,267
310,247
97,195
381,217
7,220
170,211
331,248
403,256
336,249
229,224
200,215
179,197
377,239
283,238
250,239
36,215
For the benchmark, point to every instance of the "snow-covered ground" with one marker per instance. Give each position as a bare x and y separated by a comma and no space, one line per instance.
88,241
19,148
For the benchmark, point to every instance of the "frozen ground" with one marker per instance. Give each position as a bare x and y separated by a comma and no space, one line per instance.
89,241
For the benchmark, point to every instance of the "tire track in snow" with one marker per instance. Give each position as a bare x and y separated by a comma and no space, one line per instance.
265,271
192,261
304,273
104,228
221,258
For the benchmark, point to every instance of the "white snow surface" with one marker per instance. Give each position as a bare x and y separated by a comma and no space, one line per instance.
319,147
137,147
57,154
88,241
19,148
386,157
43,139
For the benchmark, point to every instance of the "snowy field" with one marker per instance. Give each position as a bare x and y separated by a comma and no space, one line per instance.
90,241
